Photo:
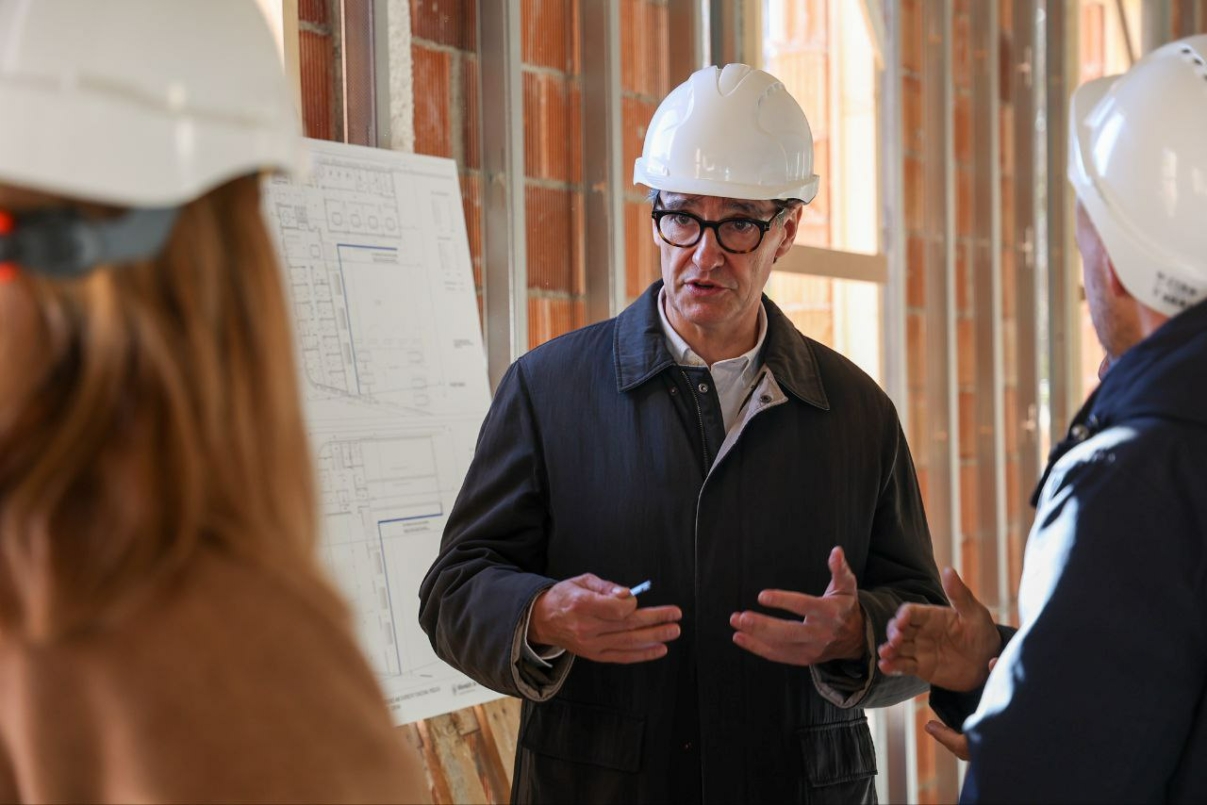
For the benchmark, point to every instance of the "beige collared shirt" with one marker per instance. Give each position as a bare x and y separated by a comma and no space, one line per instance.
733,378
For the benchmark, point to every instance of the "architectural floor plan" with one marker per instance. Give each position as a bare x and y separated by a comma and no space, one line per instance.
377,267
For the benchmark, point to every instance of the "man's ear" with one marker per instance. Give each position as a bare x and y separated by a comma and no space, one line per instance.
1113,282
791,227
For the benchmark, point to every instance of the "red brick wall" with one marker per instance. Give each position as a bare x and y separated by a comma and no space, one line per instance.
917,318
553,197
445,64
316,56
1018,520
1188,17
645,81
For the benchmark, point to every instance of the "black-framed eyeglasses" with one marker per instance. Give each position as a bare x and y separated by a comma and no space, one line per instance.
735,235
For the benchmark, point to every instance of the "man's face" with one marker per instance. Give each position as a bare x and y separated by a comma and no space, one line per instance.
1115,323
712,293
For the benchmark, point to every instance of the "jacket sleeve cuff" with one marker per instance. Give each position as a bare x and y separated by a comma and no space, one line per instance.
845,683
537,676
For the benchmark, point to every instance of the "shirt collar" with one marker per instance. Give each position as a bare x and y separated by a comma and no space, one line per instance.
685,355
639,350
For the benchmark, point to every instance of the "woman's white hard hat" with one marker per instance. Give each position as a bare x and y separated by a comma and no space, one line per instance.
143,103
1138,162
733,132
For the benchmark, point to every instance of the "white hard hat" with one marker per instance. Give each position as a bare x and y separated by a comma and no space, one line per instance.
733,132
1138,161
140,102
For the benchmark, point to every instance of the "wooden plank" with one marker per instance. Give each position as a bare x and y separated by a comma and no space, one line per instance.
501,720
835,263
455,760
437,784
489,768
411,736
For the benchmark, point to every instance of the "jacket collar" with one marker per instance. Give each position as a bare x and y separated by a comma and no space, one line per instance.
640,353
1162,377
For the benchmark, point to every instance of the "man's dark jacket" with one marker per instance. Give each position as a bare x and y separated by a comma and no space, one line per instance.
600,455
1102,695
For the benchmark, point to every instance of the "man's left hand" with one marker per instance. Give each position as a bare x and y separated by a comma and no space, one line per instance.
830,627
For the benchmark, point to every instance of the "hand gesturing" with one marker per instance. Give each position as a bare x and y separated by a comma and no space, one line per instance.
947,646
830,627
600,621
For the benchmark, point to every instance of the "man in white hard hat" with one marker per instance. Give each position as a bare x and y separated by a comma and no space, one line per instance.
757,480
1100,696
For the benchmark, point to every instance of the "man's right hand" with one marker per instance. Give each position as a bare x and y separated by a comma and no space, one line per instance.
947,646
599,620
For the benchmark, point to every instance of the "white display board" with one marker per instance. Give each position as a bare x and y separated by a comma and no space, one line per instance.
393,373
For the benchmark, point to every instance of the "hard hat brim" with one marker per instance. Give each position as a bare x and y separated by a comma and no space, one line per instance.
800,191
63,148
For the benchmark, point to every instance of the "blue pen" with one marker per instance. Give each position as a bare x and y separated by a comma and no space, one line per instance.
640,588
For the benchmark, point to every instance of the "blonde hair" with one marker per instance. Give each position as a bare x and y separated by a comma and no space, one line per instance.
164,416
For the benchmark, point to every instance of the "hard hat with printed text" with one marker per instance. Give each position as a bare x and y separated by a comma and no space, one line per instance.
1138,162
733,132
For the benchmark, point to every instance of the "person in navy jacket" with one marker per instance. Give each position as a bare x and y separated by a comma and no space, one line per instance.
1101,696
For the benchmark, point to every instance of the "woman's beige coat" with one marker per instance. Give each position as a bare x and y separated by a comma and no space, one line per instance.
231,686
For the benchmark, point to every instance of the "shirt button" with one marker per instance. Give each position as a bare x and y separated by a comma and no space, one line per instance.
766,398
703,387
687,747
1079,432
674,390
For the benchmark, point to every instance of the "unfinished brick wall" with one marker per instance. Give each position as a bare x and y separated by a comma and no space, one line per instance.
645,81
1018,518
446,106
923,243
1188,17
553,194
316,57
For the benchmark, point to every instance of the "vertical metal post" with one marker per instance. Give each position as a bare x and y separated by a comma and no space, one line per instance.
381,70
1027,185
505,274
892,211
939,224
358,63
1156,24
987,299
727,35
602,155
1061,50
688,42
897,724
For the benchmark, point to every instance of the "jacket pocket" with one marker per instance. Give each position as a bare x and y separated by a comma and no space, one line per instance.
585,733
840,762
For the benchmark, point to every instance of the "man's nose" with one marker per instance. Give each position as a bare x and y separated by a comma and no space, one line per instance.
708,252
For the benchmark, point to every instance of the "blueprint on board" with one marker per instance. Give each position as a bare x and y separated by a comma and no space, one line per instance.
378,274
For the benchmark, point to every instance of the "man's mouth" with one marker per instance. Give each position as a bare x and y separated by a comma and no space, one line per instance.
703,286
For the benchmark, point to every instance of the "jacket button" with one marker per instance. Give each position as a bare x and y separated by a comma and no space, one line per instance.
703,387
